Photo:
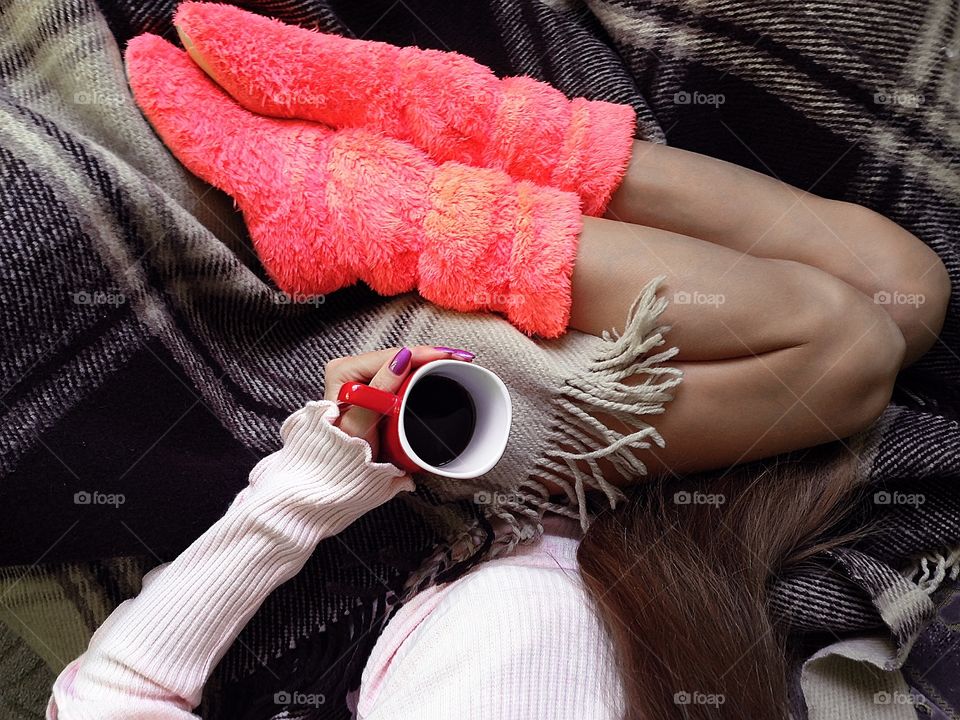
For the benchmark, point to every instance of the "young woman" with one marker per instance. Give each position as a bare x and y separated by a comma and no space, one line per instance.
793,315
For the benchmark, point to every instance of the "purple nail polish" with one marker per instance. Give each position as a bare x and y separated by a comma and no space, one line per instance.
401,361
462,354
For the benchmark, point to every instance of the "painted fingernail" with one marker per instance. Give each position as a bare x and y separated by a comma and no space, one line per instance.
462,354
401,361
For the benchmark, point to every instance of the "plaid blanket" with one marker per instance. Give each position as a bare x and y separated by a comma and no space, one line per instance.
146,364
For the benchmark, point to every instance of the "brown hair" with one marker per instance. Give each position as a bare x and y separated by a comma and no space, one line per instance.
679,576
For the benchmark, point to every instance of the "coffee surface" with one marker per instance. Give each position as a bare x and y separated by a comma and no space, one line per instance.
439,419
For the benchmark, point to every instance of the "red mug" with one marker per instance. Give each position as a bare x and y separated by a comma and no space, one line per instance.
493,412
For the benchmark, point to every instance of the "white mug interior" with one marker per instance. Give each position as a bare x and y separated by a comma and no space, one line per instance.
494,411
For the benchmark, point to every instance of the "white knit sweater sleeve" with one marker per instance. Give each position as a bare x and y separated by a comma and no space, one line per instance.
153,655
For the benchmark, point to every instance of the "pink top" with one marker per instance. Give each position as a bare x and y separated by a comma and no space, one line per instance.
513,639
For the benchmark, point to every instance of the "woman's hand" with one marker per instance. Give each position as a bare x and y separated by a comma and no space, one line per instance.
382,369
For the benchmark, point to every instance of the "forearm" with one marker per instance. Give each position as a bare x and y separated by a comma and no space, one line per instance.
155,652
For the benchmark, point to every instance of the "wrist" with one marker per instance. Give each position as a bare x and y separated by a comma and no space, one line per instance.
320,464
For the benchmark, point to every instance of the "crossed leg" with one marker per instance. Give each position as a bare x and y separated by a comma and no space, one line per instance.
743,210
777,353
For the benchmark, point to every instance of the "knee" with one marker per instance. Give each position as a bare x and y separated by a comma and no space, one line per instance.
916,299
867,369
856,350
911,283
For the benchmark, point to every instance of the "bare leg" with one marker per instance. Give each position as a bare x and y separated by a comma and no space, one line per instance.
757,215
777,355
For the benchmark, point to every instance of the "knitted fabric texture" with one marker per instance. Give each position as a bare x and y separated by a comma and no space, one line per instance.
449,105
326,208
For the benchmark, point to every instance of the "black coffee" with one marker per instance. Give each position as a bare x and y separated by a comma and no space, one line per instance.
439,419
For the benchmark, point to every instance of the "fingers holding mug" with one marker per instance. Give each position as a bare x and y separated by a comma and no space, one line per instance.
362,423
383,370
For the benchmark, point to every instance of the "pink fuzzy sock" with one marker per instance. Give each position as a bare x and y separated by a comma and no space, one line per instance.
444,103
326,208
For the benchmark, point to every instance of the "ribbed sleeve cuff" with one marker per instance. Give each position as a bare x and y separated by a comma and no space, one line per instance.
320,481
320,459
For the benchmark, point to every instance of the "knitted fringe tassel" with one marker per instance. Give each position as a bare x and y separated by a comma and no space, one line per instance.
580,437
931,571
585,409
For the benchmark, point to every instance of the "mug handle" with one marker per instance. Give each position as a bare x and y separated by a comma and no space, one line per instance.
371,398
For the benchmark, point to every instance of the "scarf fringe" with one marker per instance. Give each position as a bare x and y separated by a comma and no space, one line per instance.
578,439
930,571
